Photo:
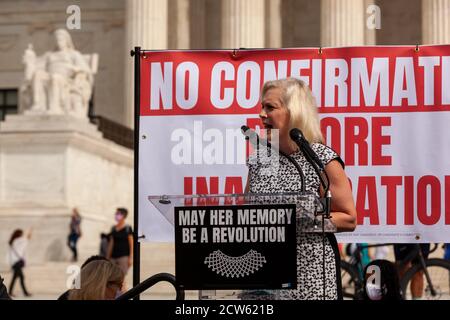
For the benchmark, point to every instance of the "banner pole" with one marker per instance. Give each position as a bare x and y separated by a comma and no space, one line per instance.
137,101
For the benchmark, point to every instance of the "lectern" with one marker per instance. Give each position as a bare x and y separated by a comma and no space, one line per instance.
239,241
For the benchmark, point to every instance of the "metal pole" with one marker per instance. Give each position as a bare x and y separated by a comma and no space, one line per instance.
137,106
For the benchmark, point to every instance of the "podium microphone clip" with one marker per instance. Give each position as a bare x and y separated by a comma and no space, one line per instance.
164,200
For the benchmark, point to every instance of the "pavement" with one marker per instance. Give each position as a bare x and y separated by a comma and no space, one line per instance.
47,281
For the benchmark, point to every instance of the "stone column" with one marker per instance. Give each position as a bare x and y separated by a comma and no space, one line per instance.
145,26
242,24
179,26
435,21
274,24
197,25
342,23
370,36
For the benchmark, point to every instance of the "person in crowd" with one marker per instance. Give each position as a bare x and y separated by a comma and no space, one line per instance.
120,245
93,258
3,292
74,233
364,255
381,252
381,281
65,295
287,104
402,251
447,251
100,280
104,242
341,248
16,256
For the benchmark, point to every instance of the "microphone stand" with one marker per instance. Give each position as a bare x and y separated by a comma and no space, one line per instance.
326,201
254,139
315,162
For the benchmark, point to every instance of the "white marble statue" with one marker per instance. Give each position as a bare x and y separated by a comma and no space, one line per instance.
58,82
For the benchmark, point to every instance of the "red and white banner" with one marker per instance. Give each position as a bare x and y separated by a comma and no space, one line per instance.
385,110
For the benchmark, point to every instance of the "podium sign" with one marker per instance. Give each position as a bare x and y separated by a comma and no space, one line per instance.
240,241
236,246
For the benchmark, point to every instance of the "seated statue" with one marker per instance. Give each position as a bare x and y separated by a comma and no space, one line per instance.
60,81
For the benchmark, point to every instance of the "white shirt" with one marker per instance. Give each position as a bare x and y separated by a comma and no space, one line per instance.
19,245
381,253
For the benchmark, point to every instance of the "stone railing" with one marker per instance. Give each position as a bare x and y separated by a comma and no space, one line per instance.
114,131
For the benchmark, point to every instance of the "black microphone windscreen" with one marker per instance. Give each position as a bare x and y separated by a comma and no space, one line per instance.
296,134
244,128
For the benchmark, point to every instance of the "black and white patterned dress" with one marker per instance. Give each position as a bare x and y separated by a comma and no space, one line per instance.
285,178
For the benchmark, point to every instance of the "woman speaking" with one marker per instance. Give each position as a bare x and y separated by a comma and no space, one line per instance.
288,104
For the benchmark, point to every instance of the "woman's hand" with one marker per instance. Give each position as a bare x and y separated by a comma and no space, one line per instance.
30,232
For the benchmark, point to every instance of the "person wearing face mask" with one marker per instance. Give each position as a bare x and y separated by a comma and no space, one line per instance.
75,233
120,246
287,104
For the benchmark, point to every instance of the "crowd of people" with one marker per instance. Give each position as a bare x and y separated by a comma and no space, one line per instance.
404,255
102,276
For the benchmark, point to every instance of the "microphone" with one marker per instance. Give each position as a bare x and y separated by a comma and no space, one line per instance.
254,139
246,131
300,140
249,133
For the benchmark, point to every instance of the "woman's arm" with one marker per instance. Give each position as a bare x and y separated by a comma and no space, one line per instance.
343,211
30,232
130,243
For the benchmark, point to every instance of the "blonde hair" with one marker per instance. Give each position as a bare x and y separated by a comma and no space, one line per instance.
301,104
96,276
